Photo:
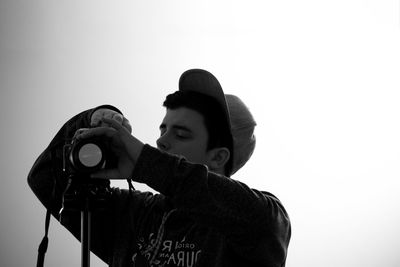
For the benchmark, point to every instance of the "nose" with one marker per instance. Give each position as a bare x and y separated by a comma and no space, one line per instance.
163,144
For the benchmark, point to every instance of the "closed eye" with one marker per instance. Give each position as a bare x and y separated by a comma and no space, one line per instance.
179,131
182,134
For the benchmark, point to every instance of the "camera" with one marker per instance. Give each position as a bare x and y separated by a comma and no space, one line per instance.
85,156
81,157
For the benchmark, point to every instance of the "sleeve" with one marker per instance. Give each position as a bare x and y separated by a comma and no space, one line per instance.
47,181
255,223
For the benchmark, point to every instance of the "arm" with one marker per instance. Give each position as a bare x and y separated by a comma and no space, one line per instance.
255,223
46,175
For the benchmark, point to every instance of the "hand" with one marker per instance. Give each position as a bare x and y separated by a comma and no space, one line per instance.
95,120
78,132
124,146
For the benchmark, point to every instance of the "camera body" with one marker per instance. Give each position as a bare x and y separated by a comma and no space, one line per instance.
85,156
80,159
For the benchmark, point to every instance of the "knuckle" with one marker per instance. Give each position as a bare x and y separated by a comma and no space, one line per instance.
118,117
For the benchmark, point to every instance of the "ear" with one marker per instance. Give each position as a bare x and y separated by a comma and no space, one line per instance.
218,158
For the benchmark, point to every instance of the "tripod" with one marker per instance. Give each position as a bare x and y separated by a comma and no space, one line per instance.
88,196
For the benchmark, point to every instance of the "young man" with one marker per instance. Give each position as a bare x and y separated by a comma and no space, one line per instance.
201,217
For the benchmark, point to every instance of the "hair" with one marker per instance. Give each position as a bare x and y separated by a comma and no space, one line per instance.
215,120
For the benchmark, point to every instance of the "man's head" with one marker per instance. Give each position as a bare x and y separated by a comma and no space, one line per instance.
196,128
206,126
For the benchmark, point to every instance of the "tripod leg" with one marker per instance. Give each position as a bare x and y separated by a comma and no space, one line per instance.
85,234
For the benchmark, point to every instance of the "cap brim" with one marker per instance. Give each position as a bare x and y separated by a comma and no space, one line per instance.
202,81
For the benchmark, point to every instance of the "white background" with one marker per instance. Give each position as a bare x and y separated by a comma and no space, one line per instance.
321,77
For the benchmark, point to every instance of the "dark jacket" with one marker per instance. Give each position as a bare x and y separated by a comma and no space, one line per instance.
200,218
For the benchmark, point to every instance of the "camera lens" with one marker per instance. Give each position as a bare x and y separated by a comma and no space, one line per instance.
90,155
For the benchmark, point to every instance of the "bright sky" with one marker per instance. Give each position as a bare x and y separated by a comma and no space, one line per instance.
321,77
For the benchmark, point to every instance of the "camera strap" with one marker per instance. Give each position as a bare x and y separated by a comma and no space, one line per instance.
45,241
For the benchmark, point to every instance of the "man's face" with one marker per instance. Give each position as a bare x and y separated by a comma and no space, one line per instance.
183,132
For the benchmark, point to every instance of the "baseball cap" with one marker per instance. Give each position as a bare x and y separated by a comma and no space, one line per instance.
239,118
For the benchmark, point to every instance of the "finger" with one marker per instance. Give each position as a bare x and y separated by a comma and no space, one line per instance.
108,115
112,123
107,131
118,117
96,117
80,131
105,114
95,120
99,131
127,125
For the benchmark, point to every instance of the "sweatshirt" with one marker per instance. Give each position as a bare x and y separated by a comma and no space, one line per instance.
198,218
